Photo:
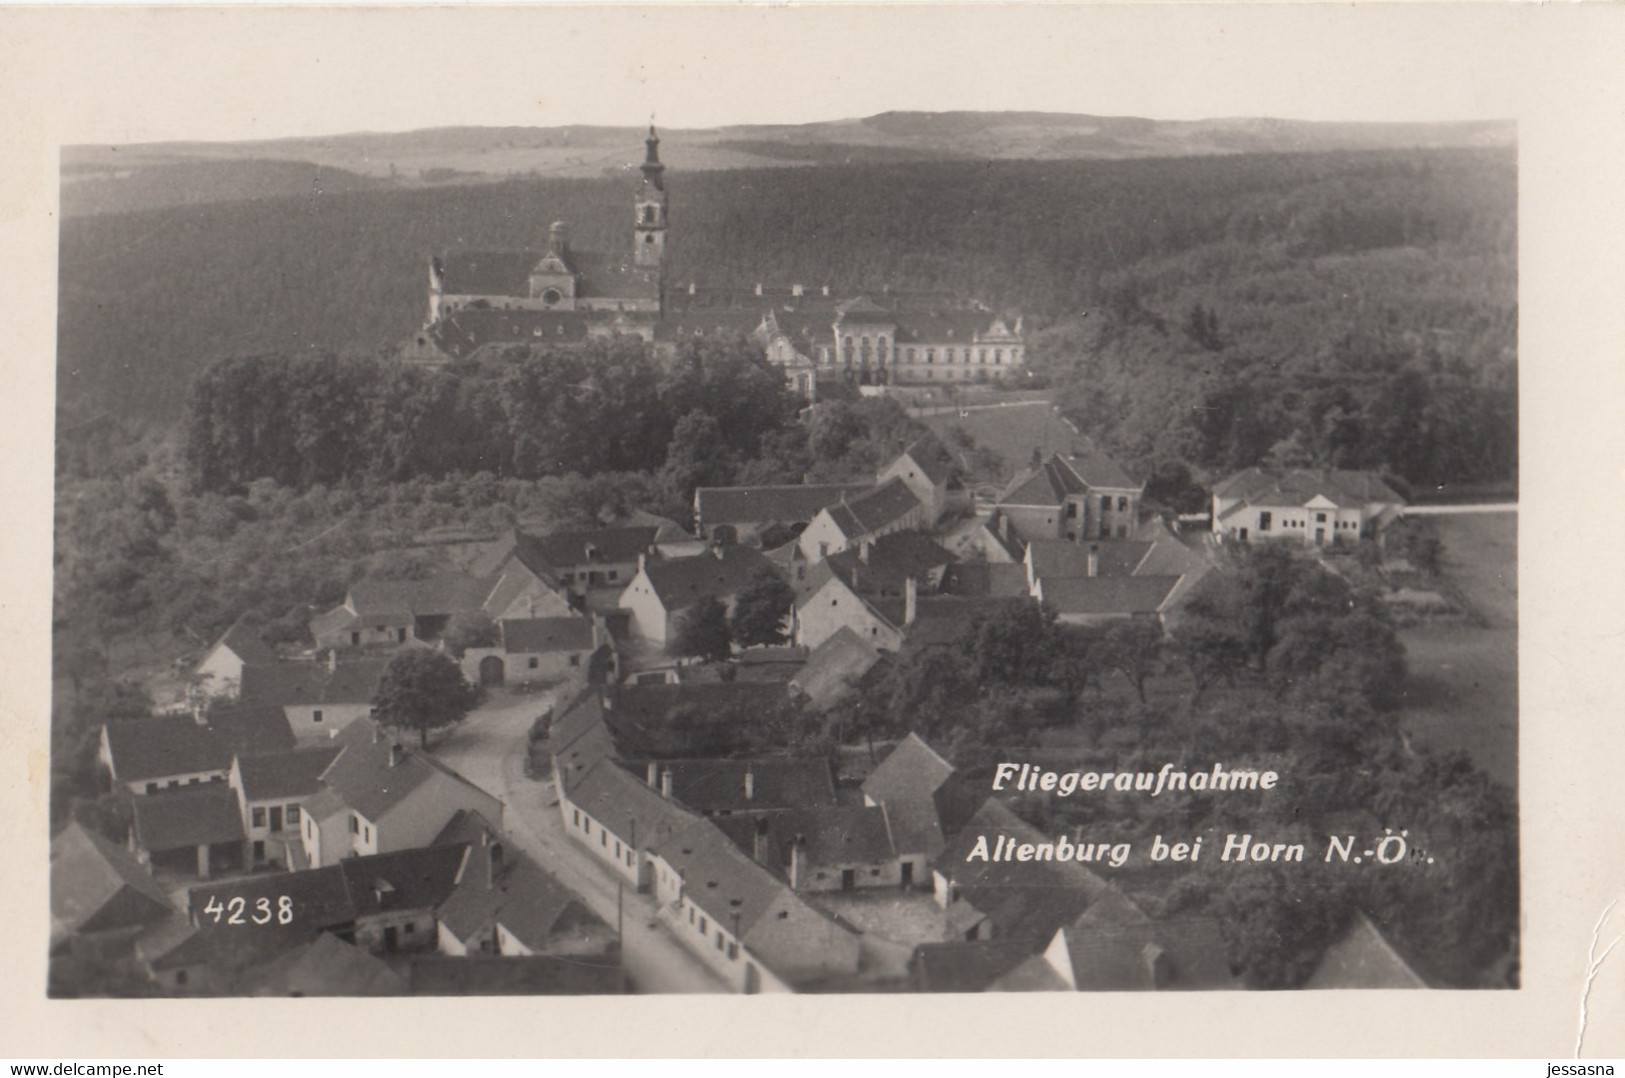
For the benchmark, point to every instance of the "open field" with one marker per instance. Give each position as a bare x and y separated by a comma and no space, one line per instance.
1463,689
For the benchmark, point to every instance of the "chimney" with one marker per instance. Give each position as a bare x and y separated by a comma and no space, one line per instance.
691,288
826,290
758,288
759,844
394,754
654,773
911,601
863,551
643,562
1094,559
1004,527
750,785
377,734
798,863
496,859
665,783
1158,967
332,660
795,290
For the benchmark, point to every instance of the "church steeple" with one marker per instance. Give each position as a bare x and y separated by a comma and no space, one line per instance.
649,233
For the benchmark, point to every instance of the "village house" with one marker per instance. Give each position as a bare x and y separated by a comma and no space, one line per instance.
924,802
989,540
824,848
1313,508
389,613
745,514
1137,955
1080,497
924,468
379,796
318,697
582,562
965,965
535,649
718,787
1363,958
144,756
1094,601
745,923
617,816
220,672
270,790
102,898
842,665
193,830
886,508
660,589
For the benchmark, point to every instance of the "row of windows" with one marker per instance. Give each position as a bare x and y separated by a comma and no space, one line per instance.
291,815
1264,522
949,355
359,828
154,787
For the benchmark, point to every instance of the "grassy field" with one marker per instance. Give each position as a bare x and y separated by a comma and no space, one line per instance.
1463,688
1012,431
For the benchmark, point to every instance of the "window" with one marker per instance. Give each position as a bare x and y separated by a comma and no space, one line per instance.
1122,505
152,787
703,926
981,355
575,660
1320,518
355,825
603,838
617,848
930,355
1264,521
628,858
180,976
575,817
720,943
874,872
614,574
411,927
784,915
366,833
293,815
259,817
533,663
193,781
733,950
315,716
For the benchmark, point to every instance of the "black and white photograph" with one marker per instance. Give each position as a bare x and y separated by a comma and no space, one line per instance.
826,501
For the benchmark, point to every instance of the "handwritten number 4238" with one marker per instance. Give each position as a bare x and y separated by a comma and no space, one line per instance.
236,911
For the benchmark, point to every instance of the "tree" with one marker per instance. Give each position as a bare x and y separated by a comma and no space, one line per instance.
423,690
700,631
1134,649
760,609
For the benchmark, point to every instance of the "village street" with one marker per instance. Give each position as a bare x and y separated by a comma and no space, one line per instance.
489,749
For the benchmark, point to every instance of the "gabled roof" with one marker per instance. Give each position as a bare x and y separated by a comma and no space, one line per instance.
163,746
509,889
487,273
1065,558
1058,477
965,966
1363,958
251,729
719,878
551,554
719,786
627,805
680,582
929,456
874,509
96,886
766,505
516,975
302,683
831,835
364,777
284,776
1106,595
245,643
448,593
1299,486
1149,955
841,664
420,878
325,966
188,816
521,636
993,580
912,769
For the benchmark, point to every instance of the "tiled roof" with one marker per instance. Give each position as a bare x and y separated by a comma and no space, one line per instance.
834,835
363,777
579,736
462,333
933,460
163,746
188,816
449,593
1127,957
298,683
284,775
1289,489
874,509
985,580
420,878
1033,975
325,966
97,886
245,643
912,769
1107,595
544,635
765,505
511,891
719,878
488,273
1063,558
1363,958
680,582
551,554
1061,476
838,666
626,804
252,729
712,786
965,966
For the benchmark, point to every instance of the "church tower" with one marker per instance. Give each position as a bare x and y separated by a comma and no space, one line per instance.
649,235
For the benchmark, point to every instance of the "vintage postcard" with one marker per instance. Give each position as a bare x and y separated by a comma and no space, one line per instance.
1041,519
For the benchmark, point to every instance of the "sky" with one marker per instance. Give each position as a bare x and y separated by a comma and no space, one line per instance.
247,73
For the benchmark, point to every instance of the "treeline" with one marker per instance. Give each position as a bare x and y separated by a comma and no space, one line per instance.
147,299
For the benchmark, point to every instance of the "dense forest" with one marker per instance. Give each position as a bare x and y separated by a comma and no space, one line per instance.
1296,255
